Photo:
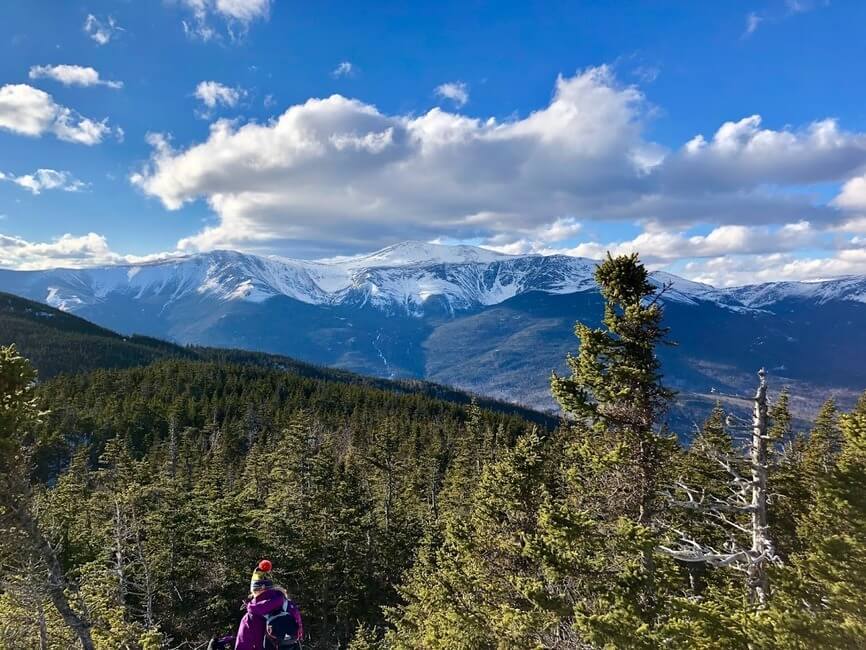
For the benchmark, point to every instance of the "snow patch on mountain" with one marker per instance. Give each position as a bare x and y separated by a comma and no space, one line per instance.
411,253
405,278
849,288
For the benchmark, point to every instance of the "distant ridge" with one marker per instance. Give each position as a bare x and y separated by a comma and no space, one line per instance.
60,343
464,316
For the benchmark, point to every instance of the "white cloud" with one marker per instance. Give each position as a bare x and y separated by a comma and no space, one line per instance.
237,15
803,6
743,155
753,21
72,75
243,10
343,69
101,31
853,195
456,91
738,270
29,111
661,246
791,8
647,73
338,175
45,179
213,93
522,241
727,255
66,251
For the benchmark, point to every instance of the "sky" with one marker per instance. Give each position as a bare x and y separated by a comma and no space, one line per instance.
723,141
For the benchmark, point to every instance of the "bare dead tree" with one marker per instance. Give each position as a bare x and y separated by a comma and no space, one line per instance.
742,512
129,560
16,500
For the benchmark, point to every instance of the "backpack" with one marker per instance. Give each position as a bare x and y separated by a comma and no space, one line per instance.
282,626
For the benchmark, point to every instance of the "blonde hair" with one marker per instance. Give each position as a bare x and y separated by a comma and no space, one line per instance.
282,590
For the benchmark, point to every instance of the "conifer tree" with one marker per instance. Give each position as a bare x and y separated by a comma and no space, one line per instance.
616,382
480,588
818,599
18,418
824,444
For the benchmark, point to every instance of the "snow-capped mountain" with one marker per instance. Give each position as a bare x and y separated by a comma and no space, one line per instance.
480,320
849,288
404,277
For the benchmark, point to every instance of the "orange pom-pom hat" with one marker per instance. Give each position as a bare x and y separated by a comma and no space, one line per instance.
262,576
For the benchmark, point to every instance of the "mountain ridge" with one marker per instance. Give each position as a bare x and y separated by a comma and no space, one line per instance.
404,275
479,320
407,274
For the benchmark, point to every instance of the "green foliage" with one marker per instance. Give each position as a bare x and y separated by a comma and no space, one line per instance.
398,520
477,589
165,485
616,383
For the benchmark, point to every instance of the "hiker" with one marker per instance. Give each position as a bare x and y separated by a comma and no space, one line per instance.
272,621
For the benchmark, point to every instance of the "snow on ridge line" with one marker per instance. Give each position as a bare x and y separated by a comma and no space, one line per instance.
845,288
407,275
228,275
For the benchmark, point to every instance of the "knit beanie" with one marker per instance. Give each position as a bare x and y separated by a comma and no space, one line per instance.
261,576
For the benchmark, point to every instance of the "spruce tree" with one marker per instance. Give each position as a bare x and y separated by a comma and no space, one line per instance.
481,588
18,418
818,596
616,381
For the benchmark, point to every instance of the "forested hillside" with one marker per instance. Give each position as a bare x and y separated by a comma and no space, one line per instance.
136,502
56,342
183,473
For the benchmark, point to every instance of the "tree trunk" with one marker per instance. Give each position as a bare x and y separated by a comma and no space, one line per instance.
762,547
43,626
57,582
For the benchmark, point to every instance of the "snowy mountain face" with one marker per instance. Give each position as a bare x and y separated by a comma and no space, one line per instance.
472,318
400,278
851,288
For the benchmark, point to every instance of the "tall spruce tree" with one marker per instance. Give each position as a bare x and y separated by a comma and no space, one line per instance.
616,381
596,540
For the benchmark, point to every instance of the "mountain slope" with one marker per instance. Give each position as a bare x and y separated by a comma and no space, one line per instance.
411,278
57,342
479,320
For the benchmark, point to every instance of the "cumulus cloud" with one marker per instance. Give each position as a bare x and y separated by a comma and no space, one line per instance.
744,155
456,91
101,31
67,251
338,175
343,69
540,239
29,111
45,179
213,94
235,14
738,270
853,195
660,246
728,255
72,75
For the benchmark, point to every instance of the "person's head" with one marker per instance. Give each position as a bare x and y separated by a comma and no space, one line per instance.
261,579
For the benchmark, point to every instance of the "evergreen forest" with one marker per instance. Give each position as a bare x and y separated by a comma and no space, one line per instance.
141,482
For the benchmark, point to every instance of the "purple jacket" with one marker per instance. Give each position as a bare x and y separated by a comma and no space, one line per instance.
251,631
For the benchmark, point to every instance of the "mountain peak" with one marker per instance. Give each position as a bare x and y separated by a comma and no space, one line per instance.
411,252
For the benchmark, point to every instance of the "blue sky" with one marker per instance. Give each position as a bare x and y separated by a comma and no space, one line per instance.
444,122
